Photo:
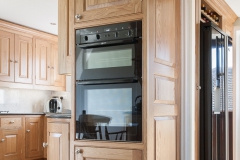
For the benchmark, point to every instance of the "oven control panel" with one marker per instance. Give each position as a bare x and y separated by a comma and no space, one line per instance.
109,32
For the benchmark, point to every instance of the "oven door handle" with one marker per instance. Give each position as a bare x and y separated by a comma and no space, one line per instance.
108,43
107,81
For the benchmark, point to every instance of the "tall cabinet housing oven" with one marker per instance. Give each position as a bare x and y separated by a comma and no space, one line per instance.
108,102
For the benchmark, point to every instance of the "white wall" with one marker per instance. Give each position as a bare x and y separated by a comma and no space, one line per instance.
31,101
236,90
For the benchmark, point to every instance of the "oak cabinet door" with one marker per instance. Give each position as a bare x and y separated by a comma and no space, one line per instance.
56,79
23,59
43,62
58,141
92,153
11,144
34,137
6,56
98,9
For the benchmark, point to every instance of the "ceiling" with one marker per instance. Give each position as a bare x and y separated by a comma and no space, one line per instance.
234,4
38,14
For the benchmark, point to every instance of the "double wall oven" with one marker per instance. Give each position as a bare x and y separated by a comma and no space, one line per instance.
109,82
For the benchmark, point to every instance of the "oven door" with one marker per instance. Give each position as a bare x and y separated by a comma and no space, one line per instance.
111,59
109,111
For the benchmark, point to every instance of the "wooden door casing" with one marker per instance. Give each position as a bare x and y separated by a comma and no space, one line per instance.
163,78
64,53
6,56
34,136
11,147
43,62
23,59
56,79
90,153
58,141
99,9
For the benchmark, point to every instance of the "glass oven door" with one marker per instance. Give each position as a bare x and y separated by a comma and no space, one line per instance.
107,60
109,111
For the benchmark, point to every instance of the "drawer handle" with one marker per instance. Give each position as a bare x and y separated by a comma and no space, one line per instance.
79,151
2,140
45,144
11,121
28,130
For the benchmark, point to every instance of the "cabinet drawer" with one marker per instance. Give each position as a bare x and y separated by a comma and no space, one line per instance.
11,122
90,153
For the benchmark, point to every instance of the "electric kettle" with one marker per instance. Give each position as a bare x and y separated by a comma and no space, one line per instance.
54,105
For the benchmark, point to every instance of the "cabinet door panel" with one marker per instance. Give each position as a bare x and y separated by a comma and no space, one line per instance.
23,59
57,79
91,153
11,148
58,141
6,56
34,137
98,9
43,62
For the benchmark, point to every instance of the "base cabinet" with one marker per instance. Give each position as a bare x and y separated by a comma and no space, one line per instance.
11,144
58,139
34,137
90,153
11,138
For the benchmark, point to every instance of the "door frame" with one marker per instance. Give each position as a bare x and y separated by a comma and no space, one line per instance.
236,89
188,81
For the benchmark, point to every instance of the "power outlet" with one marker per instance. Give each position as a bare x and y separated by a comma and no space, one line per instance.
64,96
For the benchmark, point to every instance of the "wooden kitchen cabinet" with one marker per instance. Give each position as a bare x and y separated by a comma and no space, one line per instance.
11,138
89,153
6,56
47,64
34,137
88,10
64,51
23,59
16,58
56,79
58,131
29,59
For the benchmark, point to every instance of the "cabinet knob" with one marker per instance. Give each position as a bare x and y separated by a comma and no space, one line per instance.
12,121
2,140
10,60
78,16
16,61
28,130
45,144
79,151
48,66
52,67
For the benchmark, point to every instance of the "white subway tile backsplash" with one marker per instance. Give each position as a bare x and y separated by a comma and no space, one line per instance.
28,101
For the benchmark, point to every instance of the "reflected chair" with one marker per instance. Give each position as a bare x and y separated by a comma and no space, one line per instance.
90,125
119,133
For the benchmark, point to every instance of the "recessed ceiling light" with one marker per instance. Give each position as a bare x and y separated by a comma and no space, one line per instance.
53,23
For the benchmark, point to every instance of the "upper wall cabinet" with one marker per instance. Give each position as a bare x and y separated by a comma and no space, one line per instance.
47,64
6,56
29,59
16,58
87,10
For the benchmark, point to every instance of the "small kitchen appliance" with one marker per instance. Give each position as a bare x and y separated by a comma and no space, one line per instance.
54,105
